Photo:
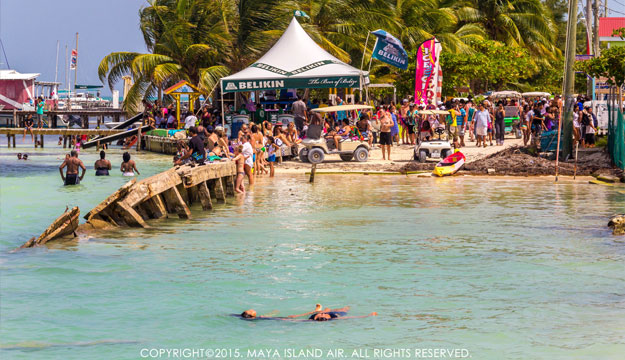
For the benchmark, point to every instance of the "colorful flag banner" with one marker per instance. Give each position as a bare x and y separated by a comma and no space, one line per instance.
74,59
389,49
427,70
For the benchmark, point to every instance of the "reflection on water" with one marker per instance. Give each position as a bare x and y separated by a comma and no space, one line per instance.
498,266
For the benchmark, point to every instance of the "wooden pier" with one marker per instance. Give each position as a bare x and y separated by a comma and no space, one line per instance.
17,117
11,133
170,192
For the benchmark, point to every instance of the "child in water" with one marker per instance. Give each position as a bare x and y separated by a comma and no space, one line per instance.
271,154
239,160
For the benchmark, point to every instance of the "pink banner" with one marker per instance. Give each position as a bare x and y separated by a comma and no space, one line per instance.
426,78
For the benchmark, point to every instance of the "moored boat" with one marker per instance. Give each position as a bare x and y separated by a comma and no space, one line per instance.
449,165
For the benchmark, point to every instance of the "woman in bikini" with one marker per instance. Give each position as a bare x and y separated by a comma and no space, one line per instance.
239,160
128,167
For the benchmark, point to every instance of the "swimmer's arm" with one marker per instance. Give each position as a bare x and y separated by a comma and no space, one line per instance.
84,169
134,166
359,317
305,314
61,169
110,167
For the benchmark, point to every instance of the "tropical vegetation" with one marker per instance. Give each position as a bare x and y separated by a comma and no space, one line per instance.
504,43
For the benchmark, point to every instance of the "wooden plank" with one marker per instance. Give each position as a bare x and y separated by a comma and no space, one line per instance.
220,192
205,196
156,206
175,204
131,217
62,131
199,174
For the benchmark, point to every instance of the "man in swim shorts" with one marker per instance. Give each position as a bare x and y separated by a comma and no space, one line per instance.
72,163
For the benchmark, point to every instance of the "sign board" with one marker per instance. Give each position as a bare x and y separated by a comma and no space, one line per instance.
296,83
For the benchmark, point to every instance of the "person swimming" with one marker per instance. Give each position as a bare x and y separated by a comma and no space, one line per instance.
317,315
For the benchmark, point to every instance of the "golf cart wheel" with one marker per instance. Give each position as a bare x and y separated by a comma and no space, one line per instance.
445,153
361,154
423,155
315,156
346,157
303,155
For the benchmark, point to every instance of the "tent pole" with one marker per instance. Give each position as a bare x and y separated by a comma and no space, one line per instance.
362,63
223,116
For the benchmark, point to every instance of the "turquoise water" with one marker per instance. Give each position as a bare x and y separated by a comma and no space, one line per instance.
504,268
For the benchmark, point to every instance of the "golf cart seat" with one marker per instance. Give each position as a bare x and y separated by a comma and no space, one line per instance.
314,132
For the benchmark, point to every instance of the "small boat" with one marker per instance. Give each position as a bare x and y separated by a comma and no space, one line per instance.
64,225
449,165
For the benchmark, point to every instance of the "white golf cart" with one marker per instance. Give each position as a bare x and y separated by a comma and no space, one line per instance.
435,148
316,147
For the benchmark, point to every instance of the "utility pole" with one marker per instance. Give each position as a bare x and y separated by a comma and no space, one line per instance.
569,81
595,28
590,83
76,66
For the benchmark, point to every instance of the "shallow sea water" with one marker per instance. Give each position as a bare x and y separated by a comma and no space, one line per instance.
505,268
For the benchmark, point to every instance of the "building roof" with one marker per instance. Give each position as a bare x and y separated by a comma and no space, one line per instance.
609,24
14,75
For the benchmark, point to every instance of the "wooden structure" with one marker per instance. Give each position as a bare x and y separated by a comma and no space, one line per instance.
170,192
66,133
17,117
160,144
65,224
179,90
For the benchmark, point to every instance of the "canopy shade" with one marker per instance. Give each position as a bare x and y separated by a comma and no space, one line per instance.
295,61
342,108
536,93
505,94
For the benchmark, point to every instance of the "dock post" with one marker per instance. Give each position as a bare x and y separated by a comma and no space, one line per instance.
204,195
15,118
230,185
175,204
313,169
14,141
42,141
85,121
220,192
139,140
8,141
64,141
98,145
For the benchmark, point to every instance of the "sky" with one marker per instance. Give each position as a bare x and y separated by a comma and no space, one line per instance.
29,30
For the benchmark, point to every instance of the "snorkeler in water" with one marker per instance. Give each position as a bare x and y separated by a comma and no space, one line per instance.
317,315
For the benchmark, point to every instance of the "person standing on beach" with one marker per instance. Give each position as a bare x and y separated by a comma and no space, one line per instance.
500,114
72,163
482,119
102,166
386,140
299,112
248,153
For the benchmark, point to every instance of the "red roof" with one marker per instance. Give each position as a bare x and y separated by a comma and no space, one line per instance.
609,24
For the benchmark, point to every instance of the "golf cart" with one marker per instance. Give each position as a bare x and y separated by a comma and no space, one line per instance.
433,148
316,146
512,120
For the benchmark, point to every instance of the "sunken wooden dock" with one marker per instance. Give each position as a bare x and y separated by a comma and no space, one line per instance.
170,192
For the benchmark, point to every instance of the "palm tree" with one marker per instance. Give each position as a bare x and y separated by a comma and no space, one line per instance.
183,39
524,23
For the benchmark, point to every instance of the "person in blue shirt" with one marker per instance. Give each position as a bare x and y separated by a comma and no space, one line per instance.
40,103
395,128
461,115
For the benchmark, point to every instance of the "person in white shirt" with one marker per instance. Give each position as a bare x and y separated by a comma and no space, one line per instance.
189,120
248,153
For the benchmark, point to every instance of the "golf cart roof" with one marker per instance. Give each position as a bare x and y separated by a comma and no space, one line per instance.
506,94
342,108
440,112
536,94
425,112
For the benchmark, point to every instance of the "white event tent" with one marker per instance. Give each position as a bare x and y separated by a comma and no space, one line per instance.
295,61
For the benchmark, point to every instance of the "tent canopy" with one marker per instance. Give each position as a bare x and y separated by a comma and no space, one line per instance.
295,61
